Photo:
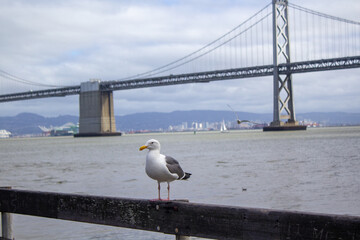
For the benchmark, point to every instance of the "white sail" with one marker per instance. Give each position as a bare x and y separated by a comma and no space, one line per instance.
223,128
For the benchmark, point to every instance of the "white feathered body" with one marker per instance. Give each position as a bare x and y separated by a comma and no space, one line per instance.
156,167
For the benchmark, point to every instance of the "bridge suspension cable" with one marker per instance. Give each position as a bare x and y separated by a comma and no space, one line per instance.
14,78
210,47
322,14
315,35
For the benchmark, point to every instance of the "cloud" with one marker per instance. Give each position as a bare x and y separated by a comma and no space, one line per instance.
69,42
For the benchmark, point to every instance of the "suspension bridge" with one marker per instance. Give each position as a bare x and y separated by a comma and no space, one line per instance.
260,46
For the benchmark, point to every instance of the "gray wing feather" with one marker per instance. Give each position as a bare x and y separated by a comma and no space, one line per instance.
174,166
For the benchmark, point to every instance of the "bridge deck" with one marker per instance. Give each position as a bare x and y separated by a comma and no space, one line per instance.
199,77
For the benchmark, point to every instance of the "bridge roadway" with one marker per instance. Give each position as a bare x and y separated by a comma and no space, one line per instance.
199,77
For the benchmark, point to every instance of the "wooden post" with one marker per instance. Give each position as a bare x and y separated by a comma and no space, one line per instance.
177,236
6,224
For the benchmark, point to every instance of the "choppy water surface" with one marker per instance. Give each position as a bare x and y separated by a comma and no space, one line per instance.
315,170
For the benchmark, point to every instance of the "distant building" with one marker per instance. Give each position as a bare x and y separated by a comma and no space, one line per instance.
4,133
67,129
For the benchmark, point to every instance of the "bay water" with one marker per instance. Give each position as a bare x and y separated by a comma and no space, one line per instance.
316,170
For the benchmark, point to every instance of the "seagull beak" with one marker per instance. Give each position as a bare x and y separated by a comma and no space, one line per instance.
142,148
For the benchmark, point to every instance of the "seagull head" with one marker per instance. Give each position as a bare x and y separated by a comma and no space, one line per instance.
151,145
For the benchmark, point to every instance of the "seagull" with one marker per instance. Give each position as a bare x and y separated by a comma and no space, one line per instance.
237,117
162,168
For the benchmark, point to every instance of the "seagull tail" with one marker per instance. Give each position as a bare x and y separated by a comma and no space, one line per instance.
186,176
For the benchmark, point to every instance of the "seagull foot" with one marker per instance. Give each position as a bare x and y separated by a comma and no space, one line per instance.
159,199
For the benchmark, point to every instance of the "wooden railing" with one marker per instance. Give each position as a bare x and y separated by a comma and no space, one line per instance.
179,218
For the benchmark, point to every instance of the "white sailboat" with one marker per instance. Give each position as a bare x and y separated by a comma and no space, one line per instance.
223,128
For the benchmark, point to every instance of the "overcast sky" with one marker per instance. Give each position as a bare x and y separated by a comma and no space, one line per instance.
68,42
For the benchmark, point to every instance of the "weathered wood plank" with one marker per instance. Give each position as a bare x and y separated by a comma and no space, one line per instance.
187,219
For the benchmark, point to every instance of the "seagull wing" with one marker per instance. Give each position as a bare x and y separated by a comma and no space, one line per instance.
174,166
237,117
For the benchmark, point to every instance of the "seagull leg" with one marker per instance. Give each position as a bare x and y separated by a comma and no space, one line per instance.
159,190
159,199
168,191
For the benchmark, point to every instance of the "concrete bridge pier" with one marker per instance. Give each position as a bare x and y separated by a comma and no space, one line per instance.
96,111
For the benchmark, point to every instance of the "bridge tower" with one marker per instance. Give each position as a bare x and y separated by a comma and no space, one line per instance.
283,90
96,111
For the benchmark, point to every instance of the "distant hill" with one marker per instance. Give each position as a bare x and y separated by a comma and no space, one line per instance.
27,123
